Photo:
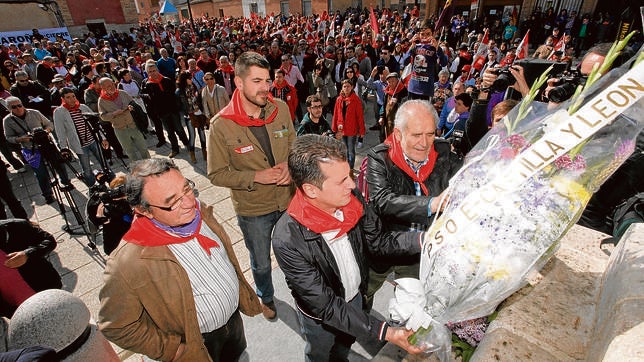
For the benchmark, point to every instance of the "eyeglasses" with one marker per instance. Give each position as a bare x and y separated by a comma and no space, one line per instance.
349,71
15,106
188,188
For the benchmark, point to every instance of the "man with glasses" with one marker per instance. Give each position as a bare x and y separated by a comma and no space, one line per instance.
173,287
18,128
314,121
32,94
388,61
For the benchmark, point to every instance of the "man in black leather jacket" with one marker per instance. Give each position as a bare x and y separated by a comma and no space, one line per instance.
406,174
321,243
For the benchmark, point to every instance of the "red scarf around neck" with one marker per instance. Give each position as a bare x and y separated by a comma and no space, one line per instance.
108,97
75,107
398,158
399,87
235,112
157,82
319,221
227,69
143,232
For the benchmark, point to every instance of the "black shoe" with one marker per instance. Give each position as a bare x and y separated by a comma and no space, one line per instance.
375,127
67,187
161,143
49,199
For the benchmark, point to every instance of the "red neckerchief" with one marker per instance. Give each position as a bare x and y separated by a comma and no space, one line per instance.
398,158
143,232
45,65
360,58
285,70
236,113
278,86
319,221
92,86
71,108
399,87
227,69
110,97
157,82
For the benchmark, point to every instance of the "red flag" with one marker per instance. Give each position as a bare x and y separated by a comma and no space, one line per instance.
157,39
522,49
446,15
481,52
560,46
373,21
325,16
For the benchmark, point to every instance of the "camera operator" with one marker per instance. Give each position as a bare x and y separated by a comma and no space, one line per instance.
493,91
108,206
30,129
75,135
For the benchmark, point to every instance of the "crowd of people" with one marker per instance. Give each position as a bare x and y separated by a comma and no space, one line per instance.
280,105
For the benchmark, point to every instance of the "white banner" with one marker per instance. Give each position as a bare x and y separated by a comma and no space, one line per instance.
21,36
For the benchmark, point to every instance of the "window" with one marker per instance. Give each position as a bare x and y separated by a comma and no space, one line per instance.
306,8
284,8
253,8
142,4
221,13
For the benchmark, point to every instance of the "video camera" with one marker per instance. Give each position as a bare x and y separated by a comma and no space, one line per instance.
40,137
532,69
565,86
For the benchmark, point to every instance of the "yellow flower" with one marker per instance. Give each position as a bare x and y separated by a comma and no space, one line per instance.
570,189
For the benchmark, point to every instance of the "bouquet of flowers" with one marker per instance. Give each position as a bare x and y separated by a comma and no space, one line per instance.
521,188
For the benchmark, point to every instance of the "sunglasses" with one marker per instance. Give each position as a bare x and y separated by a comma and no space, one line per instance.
15,106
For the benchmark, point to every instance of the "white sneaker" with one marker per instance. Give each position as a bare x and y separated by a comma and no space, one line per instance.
359,145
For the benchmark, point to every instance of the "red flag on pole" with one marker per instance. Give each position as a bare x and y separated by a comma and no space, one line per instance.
522,49
373,21
481,52
560,46
157,39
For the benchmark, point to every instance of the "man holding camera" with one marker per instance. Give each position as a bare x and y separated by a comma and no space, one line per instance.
74,134
31,129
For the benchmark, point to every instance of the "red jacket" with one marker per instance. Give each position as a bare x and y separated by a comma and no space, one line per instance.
353,122
288,94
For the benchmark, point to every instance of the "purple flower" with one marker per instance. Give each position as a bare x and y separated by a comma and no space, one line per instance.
470,331
517,141
579,163
625,149
563,162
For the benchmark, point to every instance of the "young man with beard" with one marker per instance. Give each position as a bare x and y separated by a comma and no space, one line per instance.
249,141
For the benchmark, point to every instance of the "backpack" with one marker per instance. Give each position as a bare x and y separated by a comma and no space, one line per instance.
361,180
629,212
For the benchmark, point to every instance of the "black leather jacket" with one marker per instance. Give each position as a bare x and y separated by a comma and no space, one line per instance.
392,193
314,278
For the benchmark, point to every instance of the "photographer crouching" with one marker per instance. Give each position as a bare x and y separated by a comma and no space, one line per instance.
30,129
108,207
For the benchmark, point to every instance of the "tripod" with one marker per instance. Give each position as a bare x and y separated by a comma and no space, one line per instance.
54,160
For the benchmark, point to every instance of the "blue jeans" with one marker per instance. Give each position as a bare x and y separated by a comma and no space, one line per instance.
350,142
257,231
324,343
88,175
